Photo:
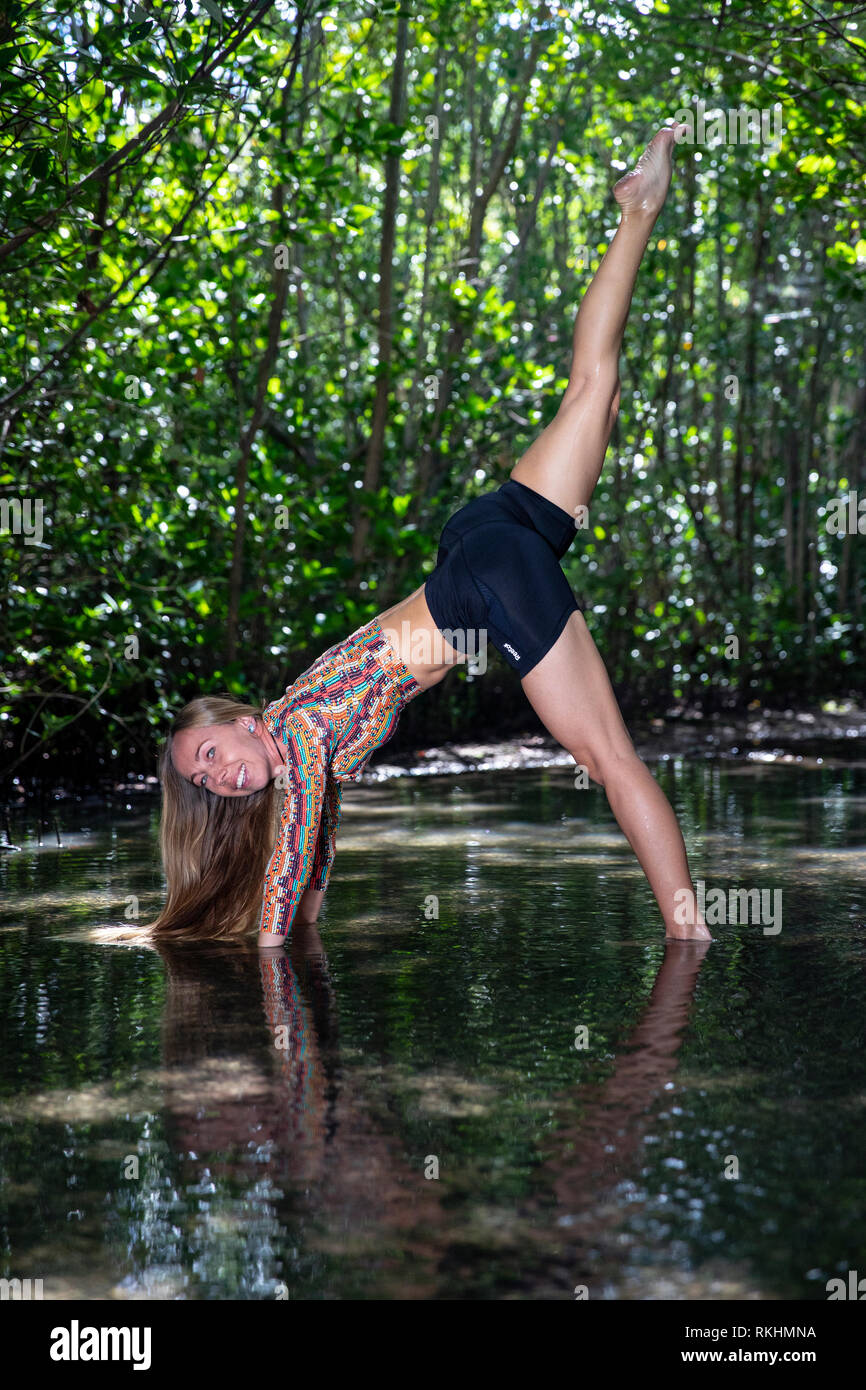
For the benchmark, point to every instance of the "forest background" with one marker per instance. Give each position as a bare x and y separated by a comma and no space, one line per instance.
283,286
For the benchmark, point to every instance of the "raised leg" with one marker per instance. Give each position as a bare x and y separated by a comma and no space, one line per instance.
571,694
565,462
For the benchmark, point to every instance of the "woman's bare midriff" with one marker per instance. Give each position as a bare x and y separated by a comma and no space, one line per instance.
411,631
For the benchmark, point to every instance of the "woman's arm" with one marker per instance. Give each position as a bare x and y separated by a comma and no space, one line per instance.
300,862
308,907
307,912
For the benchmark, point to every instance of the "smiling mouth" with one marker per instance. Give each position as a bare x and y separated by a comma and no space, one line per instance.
242,777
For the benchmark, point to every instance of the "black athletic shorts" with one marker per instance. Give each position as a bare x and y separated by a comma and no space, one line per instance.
498,571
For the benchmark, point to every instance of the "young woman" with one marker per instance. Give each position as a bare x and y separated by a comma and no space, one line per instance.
227,767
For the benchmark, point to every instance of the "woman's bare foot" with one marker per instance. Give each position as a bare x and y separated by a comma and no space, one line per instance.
698,931
644,188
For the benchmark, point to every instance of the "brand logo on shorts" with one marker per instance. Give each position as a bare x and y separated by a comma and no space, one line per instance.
508,647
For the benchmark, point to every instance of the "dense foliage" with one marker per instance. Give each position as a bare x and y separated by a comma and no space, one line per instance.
284,284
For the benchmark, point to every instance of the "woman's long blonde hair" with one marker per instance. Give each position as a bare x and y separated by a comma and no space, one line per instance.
215,849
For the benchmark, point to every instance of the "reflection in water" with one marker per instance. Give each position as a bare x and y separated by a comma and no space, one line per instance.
212,993
283,1113
325,1170
594,1159
284,1106
616,1114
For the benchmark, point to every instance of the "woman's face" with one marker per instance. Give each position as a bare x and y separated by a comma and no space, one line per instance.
226,759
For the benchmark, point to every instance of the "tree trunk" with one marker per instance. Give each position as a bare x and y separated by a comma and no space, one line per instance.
744,438
266,367
428,479
385,338
412,427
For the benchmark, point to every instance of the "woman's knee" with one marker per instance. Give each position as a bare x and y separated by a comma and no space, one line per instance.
607,765
601,386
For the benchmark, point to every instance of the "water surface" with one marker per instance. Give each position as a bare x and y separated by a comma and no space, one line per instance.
488,998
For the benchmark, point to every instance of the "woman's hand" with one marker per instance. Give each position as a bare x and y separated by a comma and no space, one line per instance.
270,940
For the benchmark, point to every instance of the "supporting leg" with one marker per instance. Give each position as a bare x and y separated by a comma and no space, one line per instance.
570,692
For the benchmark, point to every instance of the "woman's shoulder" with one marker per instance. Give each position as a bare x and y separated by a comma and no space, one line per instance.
297,722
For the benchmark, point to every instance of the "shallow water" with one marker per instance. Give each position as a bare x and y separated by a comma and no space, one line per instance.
203,1124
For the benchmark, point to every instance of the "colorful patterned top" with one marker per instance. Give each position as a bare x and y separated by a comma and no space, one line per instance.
331,719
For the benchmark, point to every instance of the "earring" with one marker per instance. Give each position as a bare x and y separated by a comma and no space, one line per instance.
252,728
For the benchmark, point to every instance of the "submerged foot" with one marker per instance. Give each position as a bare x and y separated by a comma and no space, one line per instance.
644,188
693,932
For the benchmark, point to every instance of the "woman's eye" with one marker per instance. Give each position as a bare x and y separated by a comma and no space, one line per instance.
207,755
